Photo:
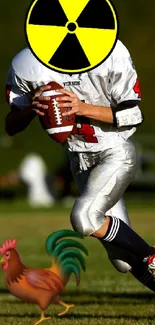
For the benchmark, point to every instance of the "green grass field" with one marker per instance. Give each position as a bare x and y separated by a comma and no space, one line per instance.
104,296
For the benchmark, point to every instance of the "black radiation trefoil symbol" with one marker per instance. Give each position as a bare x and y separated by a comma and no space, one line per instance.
71,49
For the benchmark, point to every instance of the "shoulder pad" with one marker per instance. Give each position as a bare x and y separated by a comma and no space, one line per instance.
120,51
27,67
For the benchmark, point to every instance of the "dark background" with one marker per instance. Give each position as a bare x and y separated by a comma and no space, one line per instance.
137,31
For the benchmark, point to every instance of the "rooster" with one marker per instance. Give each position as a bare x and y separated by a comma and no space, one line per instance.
43,286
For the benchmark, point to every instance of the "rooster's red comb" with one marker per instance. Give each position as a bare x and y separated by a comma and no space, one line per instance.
10,243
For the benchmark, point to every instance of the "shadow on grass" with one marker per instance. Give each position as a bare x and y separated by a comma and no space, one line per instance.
133,317
81,316
100,298
85,297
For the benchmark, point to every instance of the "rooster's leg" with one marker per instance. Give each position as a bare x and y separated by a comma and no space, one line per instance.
66,306
43,318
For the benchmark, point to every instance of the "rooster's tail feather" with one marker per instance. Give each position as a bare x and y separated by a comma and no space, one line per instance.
66,243
72,253
64,256
69,266
52,239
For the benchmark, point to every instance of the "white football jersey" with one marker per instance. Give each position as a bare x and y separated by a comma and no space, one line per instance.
110,84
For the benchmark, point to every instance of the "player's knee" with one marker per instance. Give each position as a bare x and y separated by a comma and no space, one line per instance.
96,217
86,219
120,266
79,219
78,225
74,219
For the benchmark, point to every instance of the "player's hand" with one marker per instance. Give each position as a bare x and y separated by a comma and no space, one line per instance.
37,106
71,100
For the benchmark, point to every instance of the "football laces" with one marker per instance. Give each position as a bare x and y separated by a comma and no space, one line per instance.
57,112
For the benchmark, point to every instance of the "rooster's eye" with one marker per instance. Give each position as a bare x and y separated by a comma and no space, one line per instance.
7,254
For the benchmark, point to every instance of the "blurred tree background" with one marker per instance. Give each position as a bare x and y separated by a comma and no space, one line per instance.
137,31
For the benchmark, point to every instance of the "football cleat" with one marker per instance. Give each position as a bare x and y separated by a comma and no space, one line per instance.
151,264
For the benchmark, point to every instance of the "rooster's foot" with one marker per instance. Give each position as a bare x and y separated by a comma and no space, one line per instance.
42,319
66,306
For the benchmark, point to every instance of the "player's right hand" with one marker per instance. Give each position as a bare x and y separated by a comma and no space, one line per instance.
37,105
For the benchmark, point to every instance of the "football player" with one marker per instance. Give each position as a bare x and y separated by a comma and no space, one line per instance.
102,157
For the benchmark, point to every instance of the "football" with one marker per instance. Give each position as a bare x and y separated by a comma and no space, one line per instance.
58,127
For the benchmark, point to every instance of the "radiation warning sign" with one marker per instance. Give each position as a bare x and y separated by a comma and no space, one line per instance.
71,36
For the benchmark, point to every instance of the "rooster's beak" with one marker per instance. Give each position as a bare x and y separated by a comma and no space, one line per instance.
2,260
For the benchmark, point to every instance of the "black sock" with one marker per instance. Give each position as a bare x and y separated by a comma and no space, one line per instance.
139,269
141,273
121,235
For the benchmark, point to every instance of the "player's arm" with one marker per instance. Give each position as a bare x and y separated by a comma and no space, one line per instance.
125,92
23,108
124,110
78,107
17,120
99,113
125,98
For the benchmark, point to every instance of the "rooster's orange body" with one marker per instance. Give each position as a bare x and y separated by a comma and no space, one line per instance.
43,286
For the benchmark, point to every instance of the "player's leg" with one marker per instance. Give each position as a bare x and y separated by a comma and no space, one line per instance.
107,183
122,260
101,184
119,258
116,255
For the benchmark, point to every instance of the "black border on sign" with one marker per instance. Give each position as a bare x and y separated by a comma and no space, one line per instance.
71,72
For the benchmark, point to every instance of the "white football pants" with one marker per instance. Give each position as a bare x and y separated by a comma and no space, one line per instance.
102,178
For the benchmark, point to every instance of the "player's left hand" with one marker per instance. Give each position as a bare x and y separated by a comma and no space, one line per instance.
78,107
